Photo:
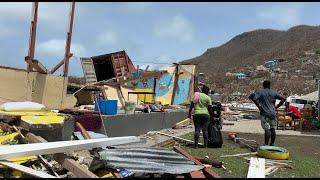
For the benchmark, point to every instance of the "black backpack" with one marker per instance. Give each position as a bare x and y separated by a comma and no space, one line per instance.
214,136
214,133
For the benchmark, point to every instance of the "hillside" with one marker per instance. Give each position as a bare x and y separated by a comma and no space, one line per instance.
250,49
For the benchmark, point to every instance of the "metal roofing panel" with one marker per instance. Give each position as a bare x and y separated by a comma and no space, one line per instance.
148,160
88,70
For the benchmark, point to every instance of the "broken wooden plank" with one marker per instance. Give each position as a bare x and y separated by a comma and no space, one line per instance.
83,131
213,162
26,170
61,146
68,163
197,174
46,164
256,168
178,138
165,143
207,171
235,155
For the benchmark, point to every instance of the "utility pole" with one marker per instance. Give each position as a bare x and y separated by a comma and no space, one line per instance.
68,41
33,29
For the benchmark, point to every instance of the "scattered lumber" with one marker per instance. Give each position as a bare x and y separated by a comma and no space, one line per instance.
26,170
214,163
165,143
179,138
235,155
271,170
183,123
273,162
206,171
62,159
256,168
61,146
46,164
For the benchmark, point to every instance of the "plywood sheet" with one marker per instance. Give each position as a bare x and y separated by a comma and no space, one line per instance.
256,168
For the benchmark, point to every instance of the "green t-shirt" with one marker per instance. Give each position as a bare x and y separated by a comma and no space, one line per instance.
202,105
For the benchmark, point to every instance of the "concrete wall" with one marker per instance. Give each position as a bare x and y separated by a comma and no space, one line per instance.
141,123
18,85
15,85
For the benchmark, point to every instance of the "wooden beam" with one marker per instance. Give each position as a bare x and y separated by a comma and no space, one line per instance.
83,131
54,69
35,64
68,41
26,170
33,30
207,171
165,143
62,159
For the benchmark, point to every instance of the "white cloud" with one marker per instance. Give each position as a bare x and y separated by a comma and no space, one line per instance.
56,47
177,27
282,14
108,37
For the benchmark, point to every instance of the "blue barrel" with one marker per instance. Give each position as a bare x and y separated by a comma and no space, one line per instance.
107,107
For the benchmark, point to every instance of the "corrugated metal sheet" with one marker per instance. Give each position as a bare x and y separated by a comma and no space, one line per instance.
88,70
148,160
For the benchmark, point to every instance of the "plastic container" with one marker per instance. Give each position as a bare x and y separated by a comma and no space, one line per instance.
107,107
129,107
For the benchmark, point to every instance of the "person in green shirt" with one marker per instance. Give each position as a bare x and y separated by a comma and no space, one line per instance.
202,114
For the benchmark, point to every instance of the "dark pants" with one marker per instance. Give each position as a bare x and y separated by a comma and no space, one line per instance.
201,122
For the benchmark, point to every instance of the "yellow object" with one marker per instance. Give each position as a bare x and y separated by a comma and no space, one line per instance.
20,160
285,118
52,119
104,174
16,174
30,113
273,152
8,137
148,98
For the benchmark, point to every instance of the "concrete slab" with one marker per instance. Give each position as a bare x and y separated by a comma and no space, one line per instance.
52,132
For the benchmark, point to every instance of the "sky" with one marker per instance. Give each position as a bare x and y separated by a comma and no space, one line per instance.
157,33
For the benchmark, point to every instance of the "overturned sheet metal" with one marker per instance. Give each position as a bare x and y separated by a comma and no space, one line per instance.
148,160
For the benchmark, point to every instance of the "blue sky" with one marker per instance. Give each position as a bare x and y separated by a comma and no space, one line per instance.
151,33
